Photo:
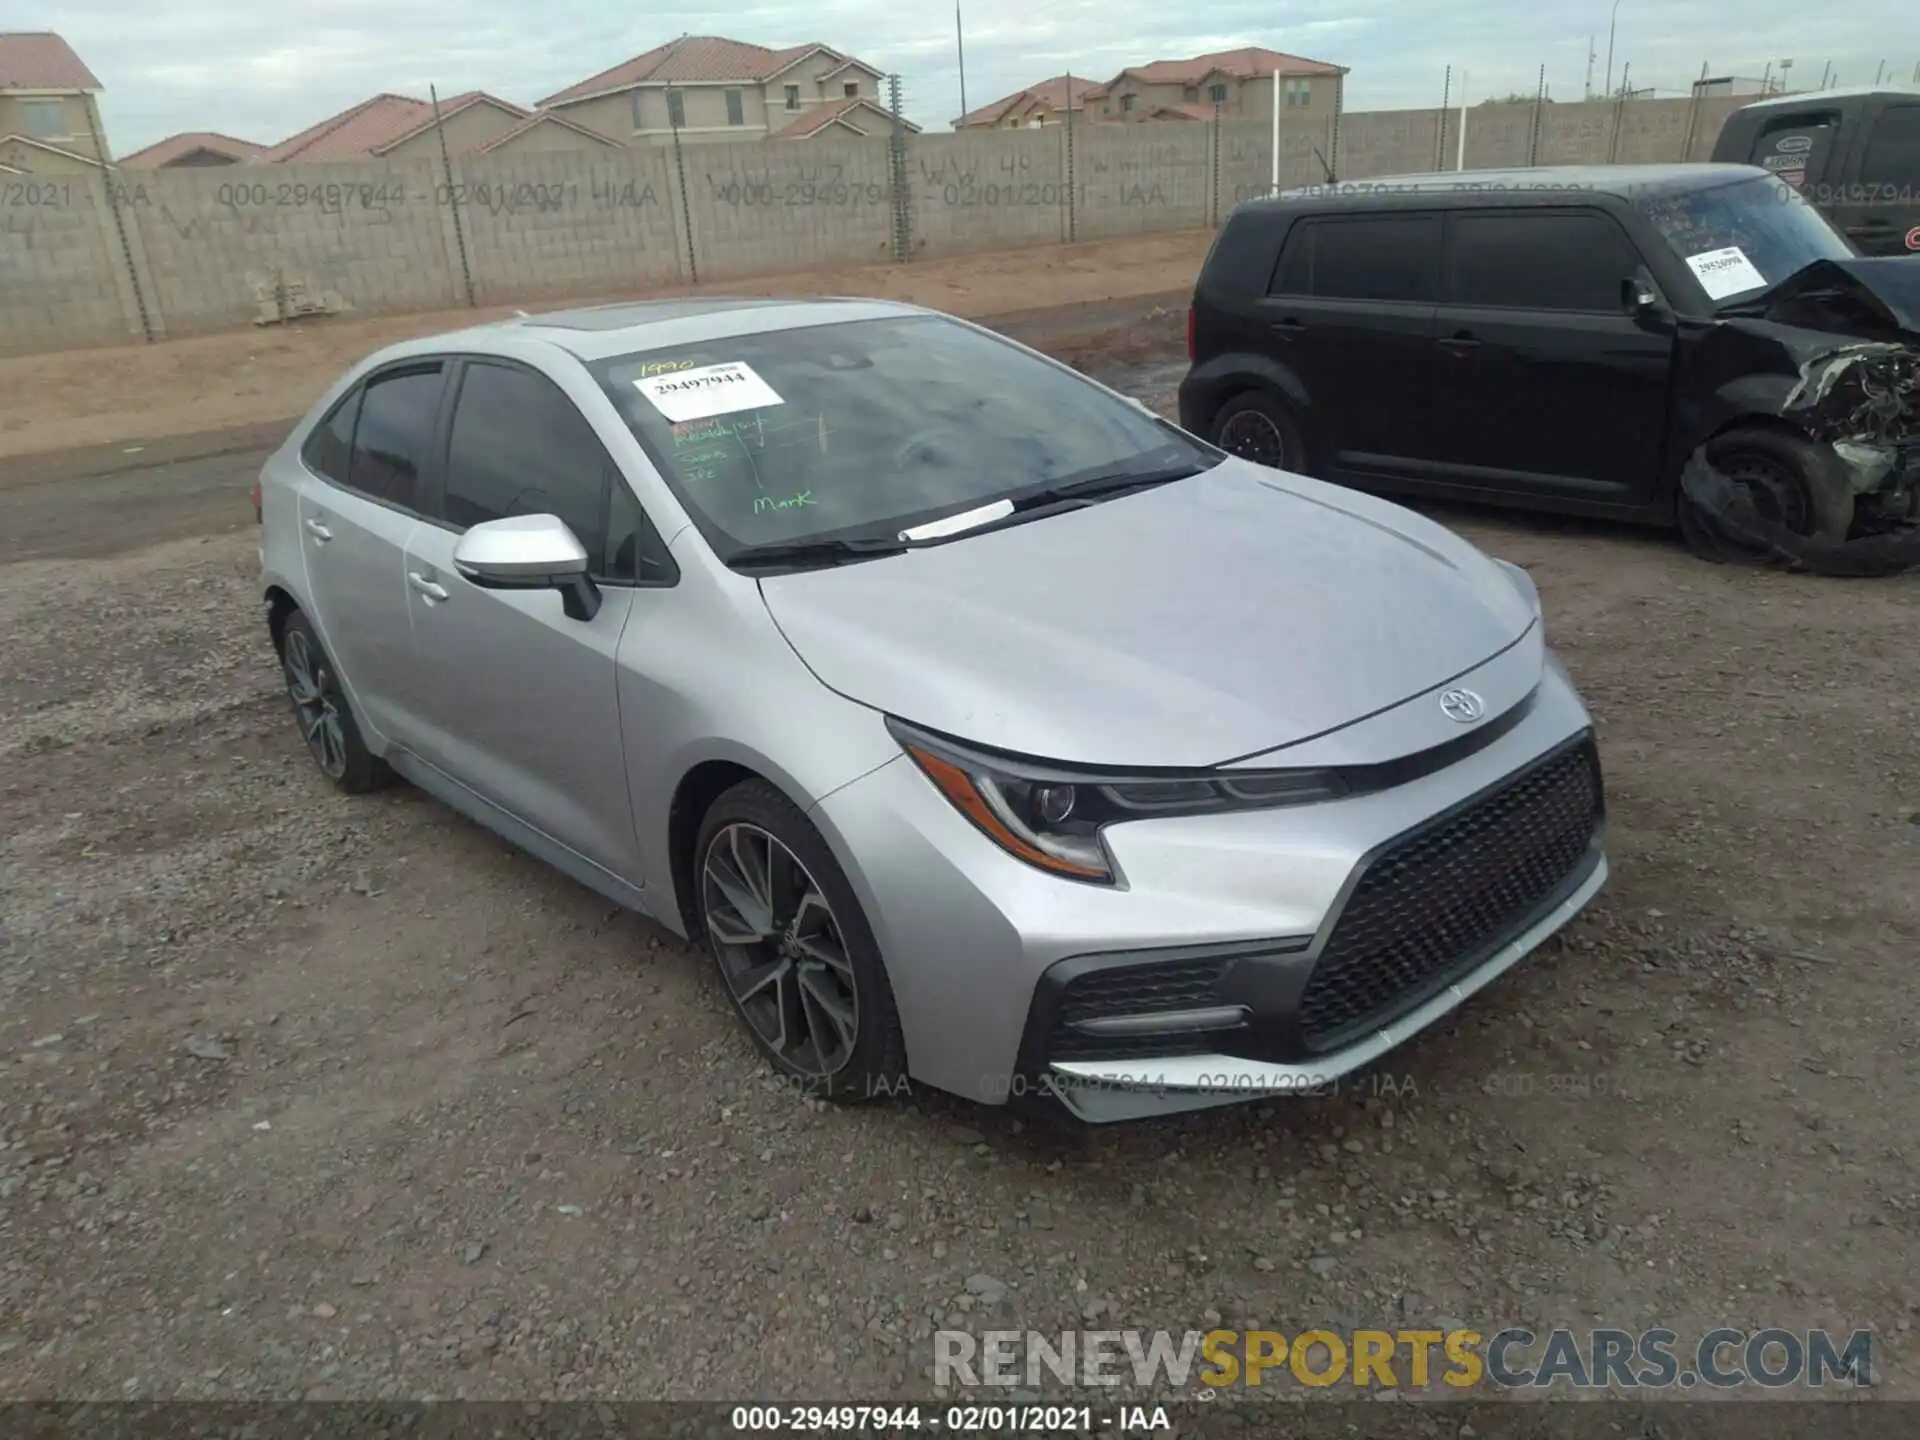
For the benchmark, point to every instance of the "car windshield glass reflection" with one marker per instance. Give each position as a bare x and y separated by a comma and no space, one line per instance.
1743,238
866,428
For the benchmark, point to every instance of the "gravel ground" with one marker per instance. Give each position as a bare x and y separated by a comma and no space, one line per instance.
303,1095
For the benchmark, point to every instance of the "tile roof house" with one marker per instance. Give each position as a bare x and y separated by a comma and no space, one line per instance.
1046,103
49,107
1239,82
709,88
400,127
193,149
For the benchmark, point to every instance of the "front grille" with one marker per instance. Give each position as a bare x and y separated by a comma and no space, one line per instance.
1443,898
1158,987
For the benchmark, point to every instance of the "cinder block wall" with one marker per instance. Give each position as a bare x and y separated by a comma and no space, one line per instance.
759,209
988,191
581,223
192,245
58,264
373,233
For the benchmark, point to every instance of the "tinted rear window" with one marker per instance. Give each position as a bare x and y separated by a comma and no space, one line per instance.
1795,147
329,447
1893,149
1362,257
1541,261
395,430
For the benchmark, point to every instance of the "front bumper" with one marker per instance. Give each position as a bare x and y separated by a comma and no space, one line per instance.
1246,954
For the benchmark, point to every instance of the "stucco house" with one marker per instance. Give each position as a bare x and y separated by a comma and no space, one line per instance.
708,88
1239,82
49,108
400,127
1047,102
194,150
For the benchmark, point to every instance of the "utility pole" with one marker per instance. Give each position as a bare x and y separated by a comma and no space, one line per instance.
1611,18
960,48
1586,91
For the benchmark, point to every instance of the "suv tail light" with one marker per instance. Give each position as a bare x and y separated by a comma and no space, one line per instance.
1190,345
256,500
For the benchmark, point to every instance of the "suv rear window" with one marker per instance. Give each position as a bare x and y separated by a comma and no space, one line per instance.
1537,261
1893,149
1361,257
1795,146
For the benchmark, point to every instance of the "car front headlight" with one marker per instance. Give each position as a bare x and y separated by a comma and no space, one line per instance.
1051,816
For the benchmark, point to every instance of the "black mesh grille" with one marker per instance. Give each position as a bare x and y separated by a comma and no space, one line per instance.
1154,988
1443,897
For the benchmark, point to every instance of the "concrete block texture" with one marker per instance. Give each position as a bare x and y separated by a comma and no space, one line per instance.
58,266
759,209
194,249
989,191
213,238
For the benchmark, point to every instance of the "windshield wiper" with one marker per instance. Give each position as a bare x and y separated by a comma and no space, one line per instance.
1105,483
817,552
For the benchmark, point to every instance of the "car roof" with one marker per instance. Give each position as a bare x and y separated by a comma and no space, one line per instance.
627,327
1520,185
1808,99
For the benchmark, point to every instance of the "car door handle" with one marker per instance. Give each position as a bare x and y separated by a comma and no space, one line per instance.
1286,327
427,586
319,531
1460,342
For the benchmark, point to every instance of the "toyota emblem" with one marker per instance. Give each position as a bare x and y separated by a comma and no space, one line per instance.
1462,705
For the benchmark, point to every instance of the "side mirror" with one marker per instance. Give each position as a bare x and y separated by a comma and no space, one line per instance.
529,552
1637,296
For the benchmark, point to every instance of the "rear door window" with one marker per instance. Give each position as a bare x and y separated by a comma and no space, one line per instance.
1537,261
394,435
1795,147
329,449
1893,149
1362,257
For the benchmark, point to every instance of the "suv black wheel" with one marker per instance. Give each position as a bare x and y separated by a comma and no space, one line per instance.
1258,427
321,711
1795,484
793,948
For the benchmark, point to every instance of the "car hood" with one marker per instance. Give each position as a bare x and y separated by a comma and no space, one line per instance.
1195,623
1862,294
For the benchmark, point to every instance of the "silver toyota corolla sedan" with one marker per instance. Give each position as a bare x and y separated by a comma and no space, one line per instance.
986,729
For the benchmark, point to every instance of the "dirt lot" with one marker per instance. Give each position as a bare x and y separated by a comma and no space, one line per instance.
304,1095
139,394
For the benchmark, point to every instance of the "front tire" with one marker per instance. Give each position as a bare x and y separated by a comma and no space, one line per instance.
1794,483
1259,427
321,711
794,949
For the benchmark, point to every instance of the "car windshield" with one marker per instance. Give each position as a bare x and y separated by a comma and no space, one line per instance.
1743,238
861,429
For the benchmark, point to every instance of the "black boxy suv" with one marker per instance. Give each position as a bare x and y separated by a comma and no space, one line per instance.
1564,339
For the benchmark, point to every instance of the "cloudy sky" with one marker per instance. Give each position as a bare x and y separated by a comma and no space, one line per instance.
265,69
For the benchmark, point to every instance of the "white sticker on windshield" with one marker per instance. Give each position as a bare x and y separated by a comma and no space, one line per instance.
706,391
1725,272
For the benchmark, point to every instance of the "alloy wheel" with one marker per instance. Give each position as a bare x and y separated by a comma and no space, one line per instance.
313,705
780,949
1253,436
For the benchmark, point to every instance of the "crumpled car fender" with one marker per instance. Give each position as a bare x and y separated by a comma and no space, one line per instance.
1725,515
